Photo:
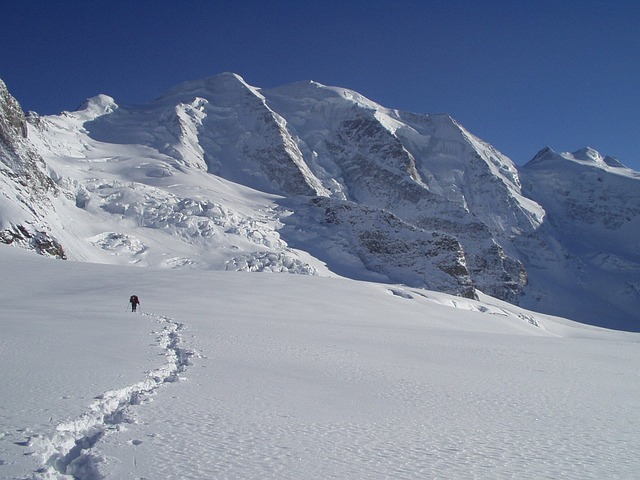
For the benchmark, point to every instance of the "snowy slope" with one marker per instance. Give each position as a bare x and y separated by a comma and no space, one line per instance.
232,375
304,178
134,204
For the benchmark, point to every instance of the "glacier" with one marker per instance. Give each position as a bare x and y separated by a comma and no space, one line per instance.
307,178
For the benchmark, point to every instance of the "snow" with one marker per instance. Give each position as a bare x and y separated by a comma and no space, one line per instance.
261,376
598,226
229,374
213,174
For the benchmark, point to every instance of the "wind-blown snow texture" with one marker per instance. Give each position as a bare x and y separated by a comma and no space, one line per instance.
305,178
232,375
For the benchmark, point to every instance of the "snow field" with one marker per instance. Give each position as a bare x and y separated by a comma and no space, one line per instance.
336,399
288,376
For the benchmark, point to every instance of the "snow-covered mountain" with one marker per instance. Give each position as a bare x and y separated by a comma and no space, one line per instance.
593,217
305,178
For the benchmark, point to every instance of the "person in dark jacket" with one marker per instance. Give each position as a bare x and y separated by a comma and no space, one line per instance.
134,301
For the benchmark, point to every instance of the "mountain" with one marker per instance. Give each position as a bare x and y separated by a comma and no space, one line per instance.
592,204
311,179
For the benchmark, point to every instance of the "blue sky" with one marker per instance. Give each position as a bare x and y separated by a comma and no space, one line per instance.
522,75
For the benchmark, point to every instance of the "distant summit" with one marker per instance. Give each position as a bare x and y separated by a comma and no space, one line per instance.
585,156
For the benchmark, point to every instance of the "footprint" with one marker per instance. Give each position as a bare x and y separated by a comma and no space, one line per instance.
70,448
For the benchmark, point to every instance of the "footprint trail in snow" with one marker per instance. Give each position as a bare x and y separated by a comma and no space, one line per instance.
68,450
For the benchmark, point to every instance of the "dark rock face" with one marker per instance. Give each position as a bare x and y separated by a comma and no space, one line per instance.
23,176
391,247
39,241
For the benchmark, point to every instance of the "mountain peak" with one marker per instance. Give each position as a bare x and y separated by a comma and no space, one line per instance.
316,91
590,156
228,83
546,153
99,105
587,154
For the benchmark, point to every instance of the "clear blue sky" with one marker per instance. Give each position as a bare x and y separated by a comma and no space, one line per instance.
520,74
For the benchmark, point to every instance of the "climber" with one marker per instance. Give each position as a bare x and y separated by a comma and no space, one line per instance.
134,301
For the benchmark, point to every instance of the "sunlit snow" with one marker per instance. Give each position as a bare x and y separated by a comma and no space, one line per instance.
264,376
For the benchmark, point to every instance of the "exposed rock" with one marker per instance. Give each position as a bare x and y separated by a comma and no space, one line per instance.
24,180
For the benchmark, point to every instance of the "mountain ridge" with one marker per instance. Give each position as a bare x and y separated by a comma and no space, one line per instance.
211,163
